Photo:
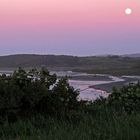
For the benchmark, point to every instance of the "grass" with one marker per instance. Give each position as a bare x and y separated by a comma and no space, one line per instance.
102,125
63,118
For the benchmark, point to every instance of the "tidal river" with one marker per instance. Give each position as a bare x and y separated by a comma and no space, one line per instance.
92,86
91,94
85,84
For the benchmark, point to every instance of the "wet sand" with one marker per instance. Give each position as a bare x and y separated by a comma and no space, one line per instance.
91,78
109,86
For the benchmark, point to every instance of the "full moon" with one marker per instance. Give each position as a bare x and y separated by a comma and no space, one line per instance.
128,11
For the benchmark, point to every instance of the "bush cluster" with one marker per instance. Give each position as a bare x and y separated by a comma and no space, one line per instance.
25,93
127,98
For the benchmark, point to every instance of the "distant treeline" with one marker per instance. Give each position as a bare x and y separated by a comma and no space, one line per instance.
116,65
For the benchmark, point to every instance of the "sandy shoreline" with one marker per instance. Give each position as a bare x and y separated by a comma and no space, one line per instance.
109,86
94,86
93,90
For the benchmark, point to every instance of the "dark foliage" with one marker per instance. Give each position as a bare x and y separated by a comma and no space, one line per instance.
27,93
126,99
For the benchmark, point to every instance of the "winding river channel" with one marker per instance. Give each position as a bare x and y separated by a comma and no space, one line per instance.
87,83
93,86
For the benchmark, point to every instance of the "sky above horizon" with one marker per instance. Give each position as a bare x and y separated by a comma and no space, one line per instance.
70,27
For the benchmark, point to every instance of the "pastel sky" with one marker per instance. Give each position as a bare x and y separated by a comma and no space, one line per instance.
71,27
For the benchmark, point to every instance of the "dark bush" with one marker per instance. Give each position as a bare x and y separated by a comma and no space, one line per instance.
26,93
127,98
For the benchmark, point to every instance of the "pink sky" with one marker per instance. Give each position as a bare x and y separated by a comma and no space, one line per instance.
66,13
62,19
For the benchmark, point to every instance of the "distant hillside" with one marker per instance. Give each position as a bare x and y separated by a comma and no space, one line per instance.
132,55
93,64
29,60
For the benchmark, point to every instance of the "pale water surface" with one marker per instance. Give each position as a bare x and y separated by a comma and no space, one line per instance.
87,93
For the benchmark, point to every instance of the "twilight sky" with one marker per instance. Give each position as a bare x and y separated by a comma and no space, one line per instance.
72,27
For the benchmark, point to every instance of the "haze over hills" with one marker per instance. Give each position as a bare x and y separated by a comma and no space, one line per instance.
111,64
132,55
135,55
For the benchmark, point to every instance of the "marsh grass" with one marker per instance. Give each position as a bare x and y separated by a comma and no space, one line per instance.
105,125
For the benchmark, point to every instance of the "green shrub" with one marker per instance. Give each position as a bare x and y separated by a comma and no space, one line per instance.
26,93
127,98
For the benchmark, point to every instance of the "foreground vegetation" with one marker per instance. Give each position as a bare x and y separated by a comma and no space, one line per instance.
105,125
34,105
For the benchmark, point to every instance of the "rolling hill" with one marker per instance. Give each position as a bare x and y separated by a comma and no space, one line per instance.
136,55
116,65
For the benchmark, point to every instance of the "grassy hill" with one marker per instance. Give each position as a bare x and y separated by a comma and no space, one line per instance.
132,55
116,65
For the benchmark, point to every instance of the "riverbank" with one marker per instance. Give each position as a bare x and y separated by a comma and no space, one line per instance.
92,86
109,86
